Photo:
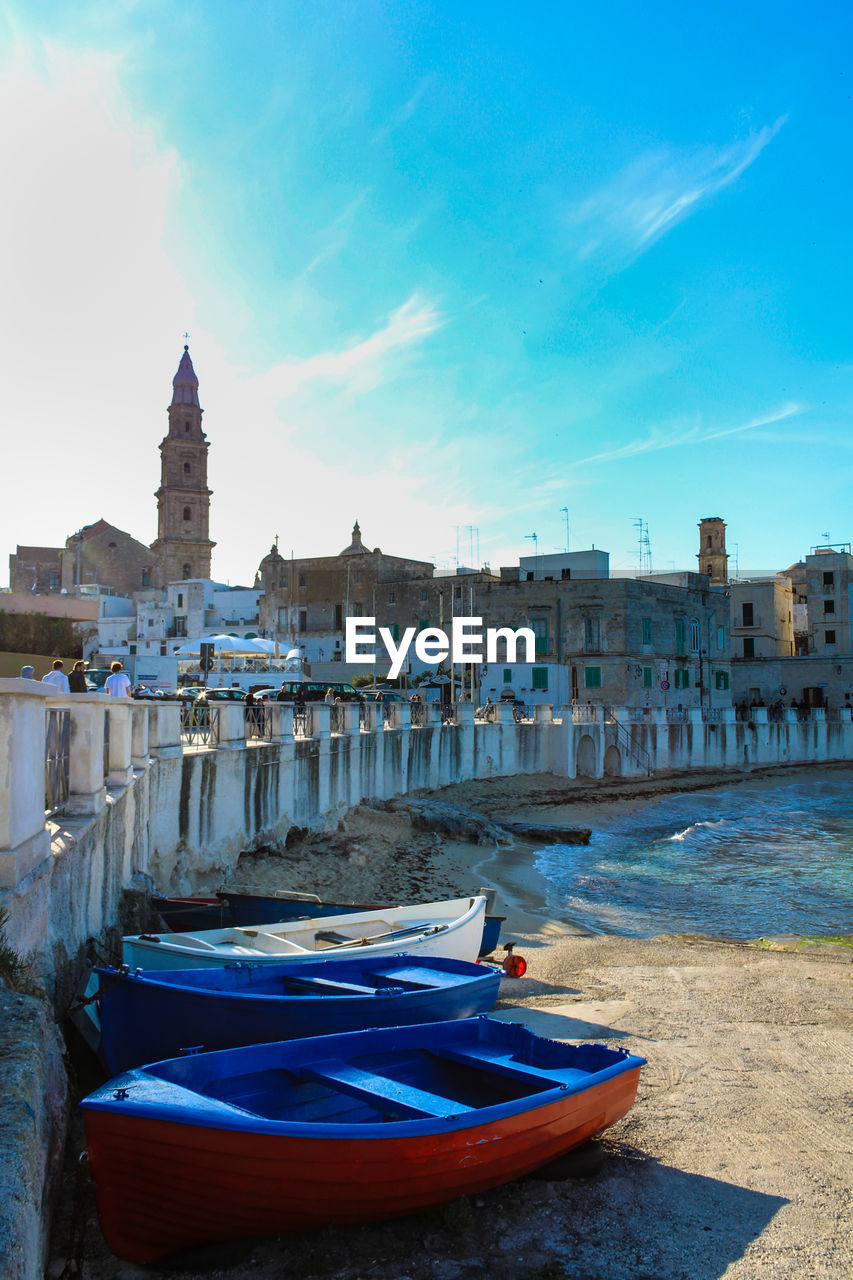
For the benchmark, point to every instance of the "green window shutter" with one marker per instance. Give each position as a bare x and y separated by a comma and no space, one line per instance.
647,677
592,677
647,631
507,676
540,678
722,679
680,636
423,623
395,632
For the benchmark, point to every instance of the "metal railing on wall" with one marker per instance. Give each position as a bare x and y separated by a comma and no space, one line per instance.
303,722
418,710
337,718
106,744
56,760
200,724
259,722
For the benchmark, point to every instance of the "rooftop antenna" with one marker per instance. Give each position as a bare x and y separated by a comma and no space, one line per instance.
644,554
736,546
565,511
825,536
535,552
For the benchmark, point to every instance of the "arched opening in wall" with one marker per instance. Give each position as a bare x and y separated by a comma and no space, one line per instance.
188,515
586,757
187,570
612,763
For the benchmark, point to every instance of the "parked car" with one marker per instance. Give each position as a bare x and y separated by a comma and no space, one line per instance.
265,695
382,695
315,690
221,695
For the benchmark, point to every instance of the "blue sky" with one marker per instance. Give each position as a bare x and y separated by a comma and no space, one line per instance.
443,266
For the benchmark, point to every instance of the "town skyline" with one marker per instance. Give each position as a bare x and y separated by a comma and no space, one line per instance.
476,278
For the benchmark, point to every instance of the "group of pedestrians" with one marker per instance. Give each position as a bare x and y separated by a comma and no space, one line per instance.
117,684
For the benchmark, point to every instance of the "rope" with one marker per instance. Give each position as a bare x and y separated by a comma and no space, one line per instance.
117,977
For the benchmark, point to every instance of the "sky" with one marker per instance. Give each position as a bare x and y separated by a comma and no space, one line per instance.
461,272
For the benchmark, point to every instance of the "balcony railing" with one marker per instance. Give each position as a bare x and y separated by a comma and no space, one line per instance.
200,724
56,761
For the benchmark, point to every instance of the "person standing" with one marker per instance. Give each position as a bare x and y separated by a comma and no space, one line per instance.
57,677
77,679
117,685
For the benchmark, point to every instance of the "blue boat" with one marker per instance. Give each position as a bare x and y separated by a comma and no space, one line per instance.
151,1014
338,1129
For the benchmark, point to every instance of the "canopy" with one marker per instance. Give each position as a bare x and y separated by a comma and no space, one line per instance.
221,644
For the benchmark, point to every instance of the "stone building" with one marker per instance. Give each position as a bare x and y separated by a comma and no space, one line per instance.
101,558
309,598
762,623
183,546
36,569
829,572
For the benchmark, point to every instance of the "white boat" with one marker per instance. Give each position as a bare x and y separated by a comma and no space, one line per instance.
453,928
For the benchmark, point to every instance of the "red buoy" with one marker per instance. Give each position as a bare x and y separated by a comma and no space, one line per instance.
513,966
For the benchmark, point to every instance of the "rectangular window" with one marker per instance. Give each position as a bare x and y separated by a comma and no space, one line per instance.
722,679
180,626
748,647
423,623
395,631
540,631
680,636
747,614
180,600
424,594
339,617
829,637
647,677
647,631
392,597
507,676
829,579
592,677
828,607
540,678
302,579
721,639
694,636
592,634
303,620
682,678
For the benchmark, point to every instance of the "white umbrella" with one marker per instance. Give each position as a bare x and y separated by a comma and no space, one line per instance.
221,644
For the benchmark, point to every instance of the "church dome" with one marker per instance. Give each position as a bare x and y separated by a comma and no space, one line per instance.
356,547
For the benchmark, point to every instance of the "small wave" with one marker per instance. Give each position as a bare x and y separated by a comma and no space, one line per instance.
694,826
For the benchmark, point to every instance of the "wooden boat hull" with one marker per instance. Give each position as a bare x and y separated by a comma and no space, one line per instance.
453,928
163,1185
148,1016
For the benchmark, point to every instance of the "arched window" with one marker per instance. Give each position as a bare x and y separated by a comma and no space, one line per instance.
187,571
694,635
186,468
188,515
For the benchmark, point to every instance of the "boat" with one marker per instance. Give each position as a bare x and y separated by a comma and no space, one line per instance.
336,1130
453,928
152,1014
237,906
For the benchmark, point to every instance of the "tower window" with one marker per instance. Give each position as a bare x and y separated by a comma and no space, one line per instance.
188,515
186,468
186,428
187,570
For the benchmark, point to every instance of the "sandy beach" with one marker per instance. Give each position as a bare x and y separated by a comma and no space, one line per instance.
737,1158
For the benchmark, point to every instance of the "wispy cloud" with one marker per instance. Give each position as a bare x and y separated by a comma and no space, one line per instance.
363,363
649,197
405,112
681,436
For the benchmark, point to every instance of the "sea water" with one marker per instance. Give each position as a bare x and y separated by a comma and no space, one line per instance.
752,860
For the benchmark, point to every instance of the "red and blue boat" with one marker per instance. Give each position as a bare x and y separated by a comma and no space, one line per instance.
152,1014
338,1129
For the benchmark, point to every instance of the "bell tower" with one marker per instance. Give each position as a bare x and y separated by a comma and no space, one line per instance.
183,546
712,555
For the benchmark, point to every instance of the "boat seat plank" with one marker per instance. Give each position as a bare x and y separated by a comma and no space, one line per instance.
418,976
328,986
503,1063
380,1092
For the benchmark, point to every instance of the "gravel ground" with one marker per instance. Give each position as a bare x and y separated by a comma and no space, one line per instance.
736,1160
